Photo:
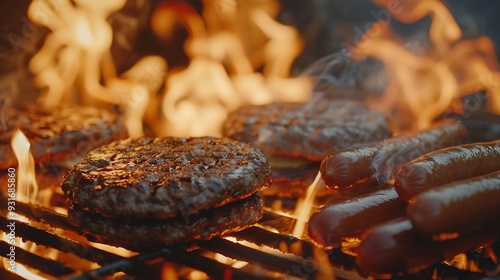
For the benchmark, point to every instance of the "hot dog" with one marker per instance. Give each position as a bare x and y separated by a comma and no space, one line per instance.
446,165
458,207
382,159
350,218
396,247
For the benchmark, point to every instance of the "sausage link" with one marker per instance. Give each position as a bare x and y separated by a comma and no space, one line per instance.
350,218
458,207
396,247
447,165
345,168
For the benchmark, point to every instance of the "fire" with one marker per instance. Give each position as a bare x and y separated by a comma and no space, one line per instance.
27,187
304,208
222,73
431,82
26,190
443,32
76,56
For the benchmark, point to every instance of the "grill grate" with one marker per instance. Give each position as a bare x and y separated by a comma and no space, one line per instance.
137,265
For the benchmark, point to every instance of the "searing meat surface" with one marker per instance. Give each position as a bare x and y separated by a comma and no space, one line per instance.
158,178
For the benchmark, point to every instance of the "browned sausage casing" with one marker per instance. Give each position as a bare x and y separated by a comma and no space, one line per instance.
457,208
382,159
396,247
350,218
447,165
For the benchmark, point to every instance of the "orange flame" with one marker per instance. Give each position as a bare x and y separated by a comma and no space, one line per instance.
443,31
222,73
305,206
27,187
26,190
76,56
76,59
432,82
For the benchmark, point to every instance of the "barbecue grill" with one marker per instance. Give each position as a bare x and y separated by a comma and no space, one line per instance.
266,250
54,248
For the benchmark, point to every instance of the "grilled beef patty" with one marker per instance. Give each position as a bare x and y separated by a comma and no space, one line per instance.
203,225
306,130
57,133
158,178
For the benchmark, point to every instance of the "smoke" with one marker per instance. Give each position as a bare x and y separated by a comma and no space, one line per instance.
339,75
390,158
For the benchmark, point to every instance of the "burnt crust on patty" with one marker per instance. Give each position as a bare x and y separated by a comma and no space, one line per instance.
158,178
310,130
203,225
54,134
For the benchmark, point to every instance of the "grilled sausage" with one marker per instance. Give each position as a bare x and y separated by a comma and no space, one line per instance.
447,165
350,218
458,207
396,247
349,166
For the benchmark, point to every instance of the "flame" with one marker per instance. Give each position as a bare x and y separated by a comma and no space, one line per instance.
304,208
444,30
26,191
222,73
27,187
76,56
431,82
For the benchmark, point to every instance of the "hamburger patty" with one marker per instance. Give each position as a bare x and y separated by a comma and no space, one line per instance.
56,133
306,130
203,225
158,178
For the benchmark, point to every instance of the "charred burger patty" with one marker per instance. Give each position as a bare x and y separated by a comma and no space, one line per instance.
296,137
184,185
203,225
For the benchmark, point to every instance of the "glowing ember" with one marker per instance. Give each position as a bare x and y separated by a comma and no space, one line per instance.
169,271
225,260
430,83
